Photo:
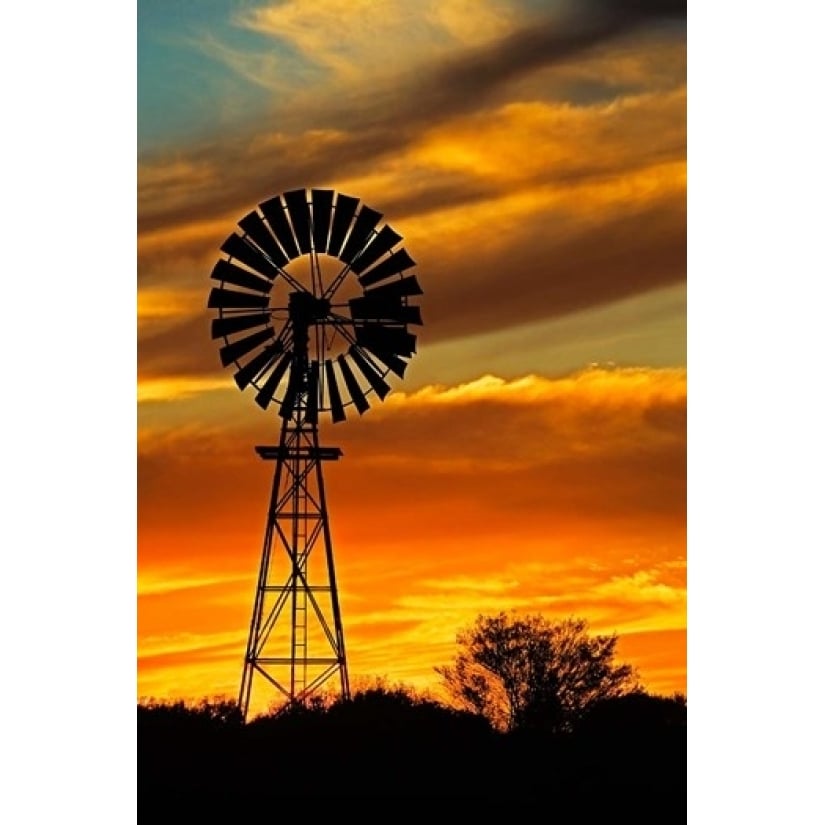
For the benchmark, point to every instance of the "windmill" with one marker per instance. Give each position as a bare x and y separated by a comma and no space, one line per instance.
313,313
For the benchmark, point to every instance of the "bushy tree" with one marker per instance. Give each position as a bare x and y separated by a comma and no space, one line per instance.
529,672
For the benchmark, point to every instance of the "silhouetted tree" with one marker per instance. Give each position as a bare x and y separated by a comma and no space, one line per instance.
528,672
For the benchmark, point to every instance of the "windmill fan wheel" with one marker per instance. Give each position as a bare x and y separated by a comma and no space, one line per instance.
313,300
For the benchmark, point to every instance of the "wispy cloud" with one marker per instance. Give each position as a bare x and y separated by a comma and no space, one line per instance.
388,110
421,616
151,584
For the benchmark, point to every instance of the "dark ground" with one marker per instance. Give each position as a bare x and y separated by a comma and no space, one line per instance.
627,759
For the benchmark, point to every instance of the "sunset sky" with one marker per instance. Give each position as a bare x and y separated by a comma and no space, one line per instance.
535,164
533,156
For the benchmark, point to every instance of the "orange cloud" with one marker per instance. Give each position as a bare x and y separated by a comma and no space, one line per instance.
568,143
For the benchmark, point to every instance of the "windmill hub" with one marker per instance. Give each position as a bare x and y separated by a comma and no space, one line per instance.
306,309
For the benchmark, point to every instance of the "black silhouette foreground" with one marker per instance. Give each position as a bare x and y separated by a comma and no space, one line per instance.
384,743
621,755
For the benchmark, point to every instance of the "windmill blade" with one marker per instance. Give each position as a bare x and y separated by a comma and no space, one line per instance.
311,414
321,217
380,386
256,229
237,349
301,222
259,364
344,212
222,327
273,211
355,391
366,221
393,362
298,208
225,271
386,308
264,397
335,404
387,339
396,263
382,243
238,248
229,299
401,288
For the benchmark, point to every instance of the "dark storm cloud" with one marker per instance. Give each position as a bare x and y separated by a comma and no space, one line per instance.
534,277
386,116
461,83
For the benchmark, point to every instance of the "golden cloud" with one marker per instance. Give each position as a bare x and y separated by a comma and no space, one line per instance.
543,464
355,39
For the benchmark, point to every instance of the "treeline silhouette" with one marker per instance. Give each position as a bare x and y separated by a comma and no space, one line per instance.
626,757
